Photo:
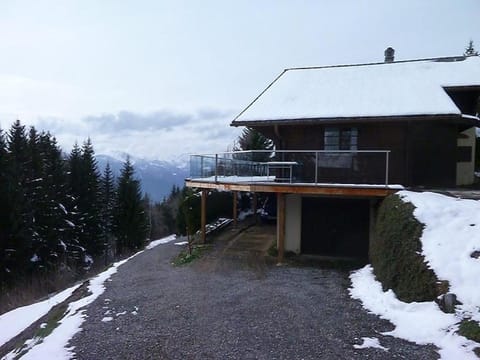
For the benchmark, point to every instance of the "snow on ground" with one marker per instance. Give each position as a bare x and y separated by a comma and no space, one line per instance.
449,238
181,243
369,342
15,321
160,241
451,235
54,346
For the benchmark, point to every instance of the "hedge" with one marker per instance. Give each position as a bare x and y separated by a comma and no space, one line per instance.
395,253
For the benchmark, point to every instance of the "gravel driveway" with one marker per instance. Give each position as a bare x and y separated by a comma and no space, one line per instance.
231,305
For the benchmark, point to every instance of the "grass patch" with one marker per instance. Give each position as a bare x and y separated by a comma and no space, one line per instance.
470,329
272,250
54,317
185,257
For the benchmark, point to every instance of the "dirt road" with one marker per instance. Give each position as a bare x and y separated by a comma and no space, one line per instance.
230,304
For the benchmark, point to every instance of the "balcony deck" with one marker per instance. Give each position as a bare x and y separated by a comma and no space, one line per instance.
316,172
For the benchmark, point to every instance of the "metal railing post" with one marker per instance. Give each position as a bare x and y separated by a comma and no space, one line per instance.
316,167
216,167
387,153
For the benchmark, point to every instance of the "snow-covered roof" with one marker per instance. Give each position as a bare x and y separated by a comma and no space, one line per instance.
404,88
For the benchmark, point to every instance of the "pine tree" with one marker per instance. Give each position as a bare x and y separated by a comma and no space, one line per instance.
35,192
56,227
130,219
5,209
89,201
470,50
75,186
108,197
251,139
20,219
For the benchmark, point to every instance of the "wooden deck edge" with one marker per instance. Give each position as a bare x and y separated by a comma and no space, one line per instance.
305,189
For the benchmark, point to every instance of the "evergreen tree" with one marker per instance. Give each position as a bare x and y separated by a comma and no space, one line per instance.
108,197
470,50
89,201
35,192
75,186
251,139
5,209
188,216
130,219
20,219
56,229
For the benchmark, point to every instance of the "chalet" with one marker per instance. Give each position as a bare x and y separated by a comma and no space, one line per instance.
345,137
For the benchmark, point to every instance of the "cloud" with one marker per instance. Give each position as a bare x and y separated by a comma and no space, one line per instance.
127,121
156,135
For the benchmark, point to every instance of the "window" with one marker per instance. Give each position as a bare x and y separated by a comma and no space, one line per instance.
340,138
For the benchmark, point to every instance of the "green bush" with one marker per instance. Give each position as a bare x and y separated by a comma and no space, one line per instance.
395,253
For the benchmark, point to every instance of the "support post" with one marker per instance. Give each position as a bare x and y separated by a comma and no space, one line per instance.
254,206
280,226
234,208
203,219
216,167
386,167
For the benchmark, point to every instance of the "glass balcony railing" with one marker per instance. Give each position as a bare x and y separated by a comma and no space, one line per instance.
292,166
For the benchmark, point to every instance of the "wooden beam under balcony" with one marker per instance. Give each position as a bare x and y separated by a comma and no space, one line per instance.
292,188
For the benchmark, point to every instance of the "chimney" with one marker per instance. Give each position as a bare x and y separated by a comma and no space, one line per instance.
389,55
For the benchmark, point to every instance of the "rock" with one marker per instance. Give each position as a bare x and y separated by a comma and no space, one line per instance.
475,254
448,302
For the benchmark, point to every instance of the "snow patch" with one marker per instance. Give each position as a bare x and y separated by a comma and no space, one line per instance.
450,236
107,319
422,323
369,342
181,243
164,240
15,321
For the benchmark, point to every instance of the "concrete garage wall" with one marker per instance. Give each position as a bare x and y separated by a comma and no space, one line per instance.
293,223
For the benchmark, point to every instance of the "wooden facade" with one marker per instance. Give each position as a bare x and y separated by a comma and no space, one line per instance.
423,151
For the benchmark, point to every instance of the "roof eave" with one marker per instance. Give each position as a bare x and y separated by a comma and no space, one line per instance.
357,119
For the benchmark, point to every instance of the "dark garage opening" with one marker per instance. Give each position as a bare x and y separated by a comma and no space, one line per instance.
335,227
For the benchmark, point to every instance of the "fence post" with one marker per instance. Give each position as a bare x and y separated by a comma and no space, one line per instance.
316,167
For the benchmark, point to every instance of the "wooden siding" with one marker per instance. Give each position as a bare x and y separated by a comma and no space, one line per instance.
423,152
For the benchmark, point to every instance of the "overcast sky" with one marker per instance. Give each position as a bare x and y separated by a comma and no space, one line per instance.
159,79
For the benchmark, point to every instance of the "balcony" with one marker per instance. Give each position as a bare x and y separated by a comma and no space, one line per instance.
365,168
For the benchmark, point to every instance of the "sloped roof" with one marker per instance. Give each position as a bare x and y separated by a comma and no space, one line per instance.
404,88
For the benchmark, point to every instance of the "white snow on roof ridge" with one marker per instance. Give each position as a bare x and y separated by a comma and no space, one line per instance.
404,88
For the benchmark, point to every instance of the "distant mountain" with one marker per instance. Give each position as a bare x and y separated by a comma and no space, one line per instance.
157,177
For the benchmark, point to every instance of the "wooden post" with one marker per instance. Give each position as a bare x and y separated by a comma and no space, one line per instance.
254,206
203,219
234,208
280,226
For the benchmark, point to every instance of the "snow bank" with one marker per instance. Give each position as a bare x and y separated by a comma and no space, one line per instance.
422,323
449,238
14,322
451,235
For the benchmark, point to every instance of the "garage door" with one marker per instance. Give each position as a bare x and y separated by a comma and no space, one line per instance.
335,227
